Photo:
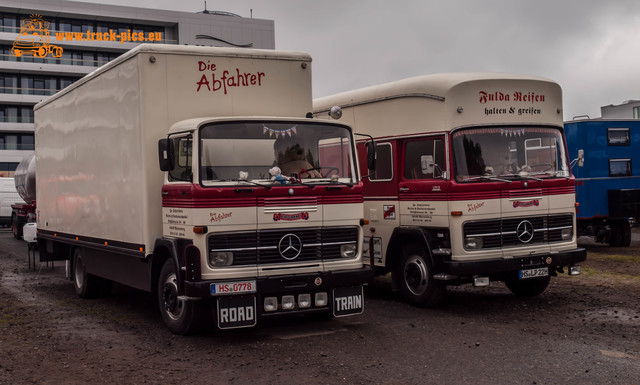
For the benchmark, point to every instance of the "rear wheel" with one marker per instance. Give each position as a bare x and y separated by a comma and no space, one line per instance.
625,231
415,275
86,285
615,236
180,316
15,228
528,287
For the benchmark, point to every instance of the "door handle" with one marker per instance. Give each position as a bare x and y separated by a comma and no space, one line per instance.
404,189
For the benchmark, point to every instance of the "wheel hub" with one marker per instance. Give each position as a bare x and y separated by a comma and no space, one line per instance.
415,275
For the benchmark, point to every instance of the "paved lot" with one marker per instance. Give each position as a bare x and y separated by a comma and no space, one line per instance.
583,329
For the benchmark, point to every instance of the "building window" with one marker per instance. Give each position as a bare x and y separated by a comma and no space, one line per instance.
15,113
8,169
9,23
619,167
16,141
384,163
8,84
32,84
636,112
618,136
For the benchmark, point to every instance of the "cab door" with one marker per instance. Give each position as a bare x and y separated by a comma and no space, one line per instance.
422,187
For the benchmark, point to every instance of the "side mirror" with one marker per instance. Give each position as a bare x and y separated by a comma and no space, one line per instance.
426,164
580,158
166,154
371,155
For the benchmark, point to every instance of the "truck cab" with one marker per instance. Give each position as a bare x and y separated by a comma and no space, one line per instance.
296,236
472,183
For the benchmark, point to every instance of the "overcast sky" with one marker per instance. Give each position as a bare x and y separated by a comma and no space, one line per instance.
590,47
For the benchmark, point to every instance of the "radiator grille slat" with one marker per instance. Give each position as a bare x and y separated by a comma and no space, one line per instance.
498,233
261,247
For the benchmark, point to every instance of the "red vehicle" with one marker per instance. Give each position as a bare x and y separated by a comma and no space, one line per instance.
472,183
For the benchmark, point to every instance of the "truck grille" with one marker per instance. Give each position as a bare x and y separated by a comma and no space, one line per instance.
504,232
261,247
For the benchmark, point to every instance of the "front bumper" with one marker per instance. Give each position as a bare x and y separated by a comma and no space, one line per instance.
340,293
503,265
291,283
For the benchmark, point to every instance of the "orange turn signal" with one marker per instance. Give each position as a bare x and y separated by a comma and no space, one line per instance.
200,229
456,213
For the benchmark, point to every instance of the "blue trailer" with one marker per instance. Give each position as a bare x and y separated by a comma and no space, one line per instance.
607,184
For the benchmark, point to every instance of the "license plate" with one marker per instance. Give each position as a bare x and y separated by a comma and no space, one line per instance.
237,312
533,273
348,301
238,287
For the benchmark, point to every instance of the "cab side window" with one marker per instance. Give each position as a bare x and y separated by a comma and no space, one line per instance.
424,159
182,171
384,163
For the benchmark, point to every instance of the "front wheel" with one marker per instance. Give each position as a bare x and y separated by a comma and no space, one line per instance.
180,316
415,275
528,287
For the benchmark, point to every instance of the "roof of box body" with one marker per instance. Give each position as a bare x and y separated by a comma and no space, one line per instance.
171,49
434,86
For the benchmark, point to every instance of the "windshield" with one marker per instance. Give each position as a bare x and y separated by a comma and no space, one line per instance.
508,153
278,152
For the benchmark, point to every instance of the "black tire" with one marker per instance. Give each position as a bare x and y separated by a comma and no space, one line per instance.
625,233
415,276
615,235
17,230
85,284
181,317
528,287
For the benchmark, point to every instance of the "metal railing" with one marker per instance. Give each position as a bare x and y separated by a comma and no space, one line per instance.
28,91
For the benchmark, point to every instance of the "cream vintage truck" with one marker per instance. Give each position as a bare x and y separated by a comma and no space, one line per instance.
472,184
164,170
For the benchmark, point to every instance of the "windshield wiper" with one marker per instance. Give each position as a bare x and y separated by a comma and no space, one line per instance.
523,177
301,183
332,183
552,174
241,182
492,178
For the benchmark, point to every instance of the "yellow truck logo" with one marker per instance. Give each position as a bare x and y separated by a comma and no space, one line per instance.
34,38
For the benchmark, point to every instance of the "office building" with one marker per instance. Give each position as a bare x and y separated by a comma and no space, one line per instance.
46,45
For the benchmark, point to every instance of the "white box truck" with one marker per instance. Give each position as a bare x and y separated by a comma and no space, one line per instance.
198,173
8,196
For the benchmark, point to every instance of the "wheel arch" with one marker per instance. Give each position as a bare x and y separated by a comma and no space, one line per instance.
164,249
402,236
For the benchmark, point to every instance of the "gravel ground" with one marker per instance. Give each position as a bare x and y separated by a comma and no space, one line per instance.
49,336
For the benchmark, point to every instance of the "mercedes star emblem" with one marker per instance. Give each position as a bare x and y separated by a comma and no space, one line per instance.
525,231
290,247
